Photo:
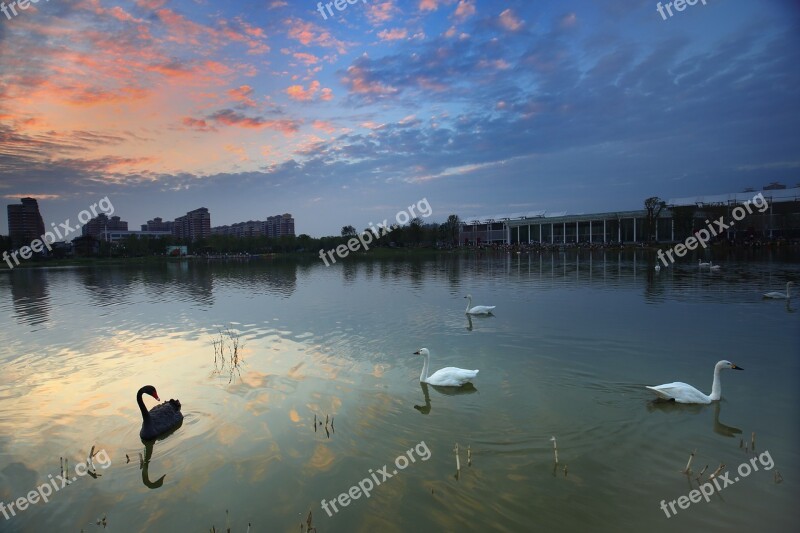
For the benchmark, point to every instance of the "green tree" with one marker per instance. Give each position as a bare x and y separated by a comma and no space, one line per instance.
348,231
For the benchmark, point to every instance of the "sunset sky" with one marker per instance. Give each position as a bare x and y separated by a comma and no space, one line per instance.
258,108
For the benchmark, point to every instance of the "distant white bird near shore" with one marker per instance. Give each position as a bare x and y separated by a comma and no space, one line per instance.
702,264
780,295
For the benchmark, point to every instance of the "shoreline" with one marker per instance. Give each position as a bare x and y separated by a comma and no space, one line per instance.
376,253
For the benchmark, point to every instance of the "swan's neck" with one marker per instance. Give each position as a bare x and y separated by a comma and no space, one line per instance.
145,414
424,376
716,387
469,304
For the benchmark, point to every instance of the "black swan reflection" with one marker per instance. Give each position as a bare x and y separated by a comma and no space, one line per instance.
148,453
161,419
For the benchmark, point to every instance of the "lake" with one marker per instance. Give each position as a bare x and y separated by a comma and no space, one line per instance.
573,341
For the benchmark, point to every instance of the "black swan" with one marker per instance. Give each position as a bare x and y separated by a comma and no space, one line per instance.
161,419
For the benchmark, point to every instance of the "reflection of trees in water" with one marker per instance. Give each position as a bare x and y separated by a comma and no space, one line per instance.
349,272
188,280
30,295
271,276
108,285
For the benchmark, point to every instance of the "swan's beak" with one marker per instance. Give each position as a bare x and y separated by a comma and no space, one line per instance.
155,395
417,353
734,367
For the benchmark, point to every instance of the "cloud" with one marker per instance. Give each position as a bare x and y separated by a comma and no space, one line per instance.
229,117
324,125
197,124
307,33
428,5
242,96
299,94
464,10
382,12
393,35
509,20
308,59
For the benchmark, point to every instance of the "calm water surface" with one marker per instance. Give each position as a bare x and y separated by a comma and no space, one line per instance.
574,340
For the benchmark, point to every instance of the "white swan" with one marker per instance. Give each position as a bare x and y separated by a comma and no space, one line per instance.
712,266
683,393
478,309
446,377
658,268
780,295
702,264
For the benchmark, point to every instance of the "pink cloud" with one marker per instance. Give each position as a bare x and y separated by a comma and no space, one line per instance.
356,79
308,59
227,117
428,5
393,35
510,21
465,9
242,95
307,33
197,124
381,12
299,94
324,125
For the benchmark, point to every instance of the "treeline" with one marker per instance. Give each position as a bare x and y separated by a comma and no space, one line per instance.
413,234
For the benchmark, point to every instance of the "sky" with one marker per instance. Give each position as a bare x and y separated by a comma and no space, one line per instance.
257,108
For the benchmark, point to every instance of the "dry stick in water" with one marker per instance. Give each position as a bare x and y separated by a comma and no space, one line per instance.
458,460
469,456
717,471
555,449
701,473
753,442
688,469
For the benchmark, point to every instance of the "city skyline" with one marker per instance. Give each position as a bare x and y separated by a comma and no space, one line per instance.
255,108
